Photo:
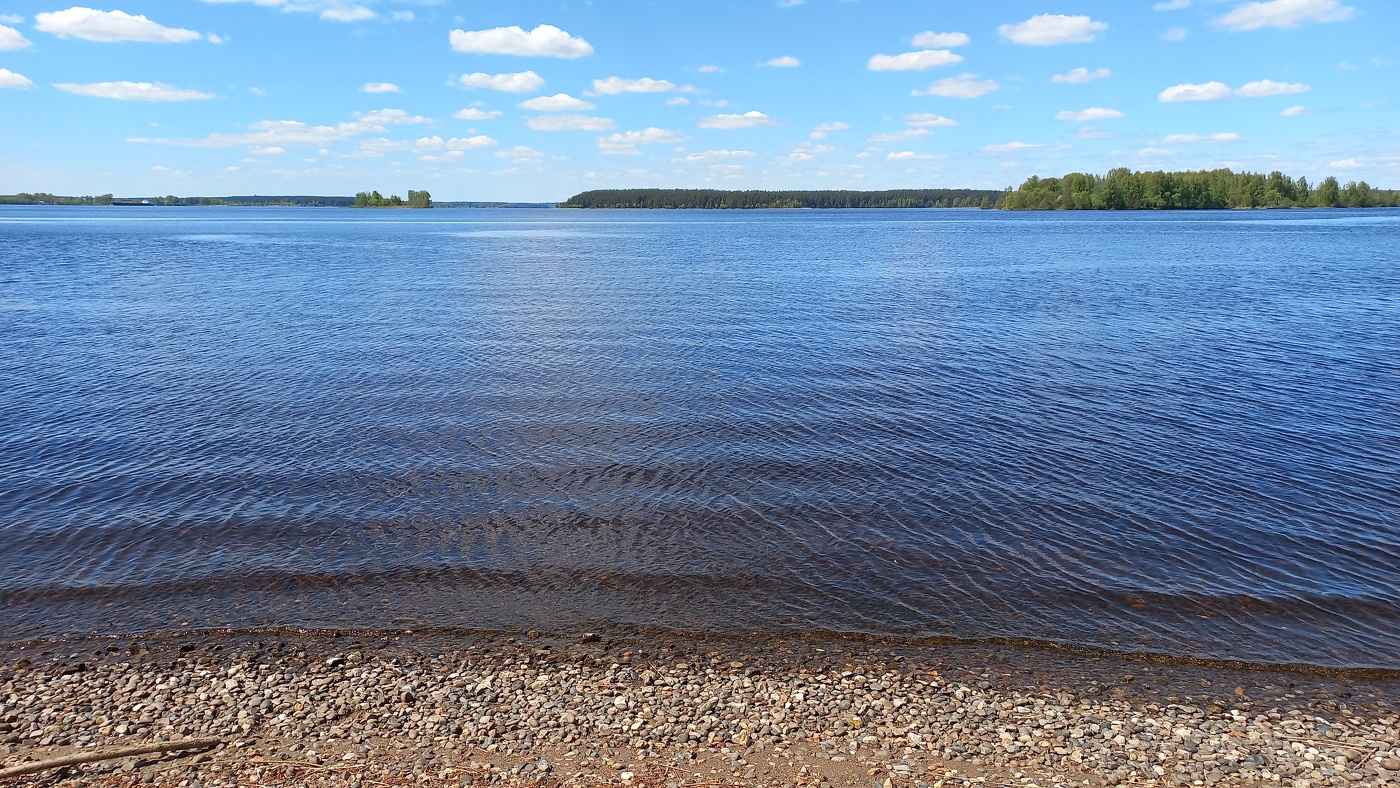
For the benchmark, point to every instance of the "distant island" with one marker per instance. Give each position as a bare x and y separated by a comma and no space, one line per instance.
285,200
1125,190
714,198
374,199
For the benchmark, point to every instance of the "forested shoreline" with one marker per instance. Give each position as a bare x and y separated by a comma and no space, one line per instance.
1125,190
719,199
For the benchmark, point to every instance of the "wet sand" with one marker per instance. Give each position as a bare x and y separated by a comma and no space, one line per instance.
647,708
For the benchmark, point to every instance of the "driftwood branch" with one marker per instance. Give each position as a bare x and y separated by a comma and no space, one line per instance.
108,755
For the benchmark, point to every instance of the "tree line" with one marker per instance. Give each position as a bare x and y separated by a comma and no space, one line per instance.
715,198
1123,189
416,199
43,198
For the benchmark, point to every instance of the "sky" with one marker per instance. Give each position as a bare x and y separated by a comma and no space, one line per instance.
535,101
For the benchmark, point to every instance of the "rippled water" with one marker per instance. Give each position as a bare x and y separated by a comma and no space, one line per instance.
1176,433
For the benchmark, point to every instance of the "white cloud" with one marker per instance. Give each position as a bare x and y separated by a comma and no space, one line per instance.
543,41
1284,13
820,132
10,19
711,69
747,120
9,79
349,13
804,152
519,82
1171,5
913,61
931,40
559,102
570,123
1207,91
93,25
1092,113
786,61
906,155
1176,34
927,120
520,154
380,87
1049,29
1078,75
716,155
134,91
626,143
436,143
714,103
270,133
1296,111
897,136
614,85
1178,139
677,101
271,150
403,16
472,113
376,148
1268,87
11,38
964,86
1346,164
214,39
1007,147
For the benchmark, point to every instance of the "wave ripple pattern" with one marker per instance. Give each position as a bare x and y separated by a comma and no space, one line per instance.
1172,433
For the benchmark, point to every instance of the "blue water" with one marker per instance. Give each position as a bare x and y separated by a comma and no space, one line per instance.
1175,432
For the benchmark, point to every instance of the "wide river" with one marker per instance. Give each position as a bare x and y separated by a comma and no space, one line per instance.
1175,433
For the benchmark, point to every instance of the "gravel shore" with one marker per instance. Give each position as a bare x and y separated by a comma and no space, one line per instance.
459,709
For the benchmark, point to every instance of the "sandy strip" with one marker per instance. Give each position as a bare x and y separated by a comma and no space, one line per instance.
342,709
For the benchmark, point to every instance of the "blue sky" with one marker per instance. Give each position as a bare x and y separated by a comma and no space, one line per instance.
532,101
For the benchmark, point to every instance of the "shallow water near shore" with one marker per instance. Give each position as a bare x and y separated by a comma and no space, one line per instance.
1172,433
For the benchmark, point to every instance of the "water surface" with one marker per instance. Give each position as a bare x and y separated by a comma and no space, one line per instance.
1175,432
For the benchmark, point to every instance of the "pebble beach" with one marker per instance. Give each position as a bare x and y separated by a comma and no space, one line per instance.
435,708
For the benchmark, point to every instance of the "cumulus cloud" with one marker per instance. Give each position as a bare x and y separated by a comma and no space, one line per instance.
1179,139
1046,30
913,61
349,13
1284,13
379,147
93,25
473,113
543,41
519,82
927,120
10,19
1176,34
1206,91
520,154
710,69
677,101
614,85
625,143
570,123
134,91
1078,75
9,79
965,86
1268,87
559,102
716,155
276,133
897,136
380,87
786,61
906,155
804,152
11,38
747,120
1296,111
1007,147
1345,164
820,132
1171,5
931,40
1092,113
437,143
